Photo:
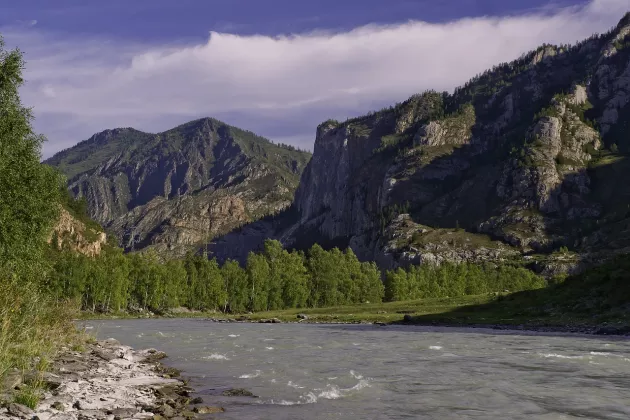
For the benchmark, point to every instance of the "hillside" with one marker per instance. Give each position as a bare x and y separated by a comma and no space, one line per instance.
174,190
522,162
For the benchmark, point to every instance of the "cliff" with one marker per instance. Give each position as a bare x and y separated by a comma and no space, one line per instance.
72,234
523,161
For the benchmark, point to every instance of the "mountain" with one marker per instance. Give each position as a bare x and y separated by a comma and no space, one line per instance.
527,160
175,190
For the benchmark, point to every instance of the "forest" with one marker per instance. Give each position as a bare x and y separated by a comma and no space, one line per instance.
271,280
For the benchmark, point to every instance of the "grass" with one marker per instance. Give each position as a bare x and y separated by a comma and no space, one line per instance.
28,395
523,308
368,312
32,329
456,237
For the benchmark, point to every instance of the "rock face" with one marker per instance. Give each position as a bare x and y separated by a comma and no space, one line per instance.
175,190
70,233
523,159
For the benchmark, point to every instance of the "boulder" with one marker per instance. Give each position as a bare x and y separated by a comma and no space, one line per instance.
208,410
238,392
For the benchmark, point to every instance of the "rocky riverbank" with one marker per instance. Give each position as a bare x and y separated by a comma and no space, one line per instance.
108,381
616,330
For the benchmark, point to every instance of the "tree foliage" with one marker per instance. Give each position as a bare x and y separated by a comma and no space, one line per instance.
27,188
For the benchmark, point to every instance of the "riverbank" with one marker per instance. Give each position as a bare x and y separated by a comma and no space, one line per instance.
104,380
496,311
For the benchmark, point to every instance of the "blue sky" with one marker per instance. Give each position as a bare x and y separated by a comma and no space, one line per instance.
276,67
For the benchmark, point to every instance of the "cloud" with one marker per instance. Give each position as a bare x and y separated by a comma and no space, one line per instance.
277,86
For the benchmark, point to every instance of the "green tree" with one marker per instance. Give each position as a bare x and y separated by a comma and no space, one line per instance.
29,191
258,274
372,288
294,280
396,285
211,287
325,276
273,254
236,286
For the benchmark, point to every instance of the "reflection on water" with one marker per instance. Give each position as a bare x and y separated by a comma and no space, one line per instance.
365,372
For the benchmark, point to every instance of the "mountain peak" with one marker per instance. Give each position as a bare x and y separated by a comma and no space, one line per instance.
625,21
178,188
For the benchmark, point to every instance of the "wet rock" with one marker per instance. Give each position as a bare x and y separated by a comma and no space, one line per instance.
20,411
270,321
166,410
196,400
166,371
154,357
105,355
208,410
58,405
238,392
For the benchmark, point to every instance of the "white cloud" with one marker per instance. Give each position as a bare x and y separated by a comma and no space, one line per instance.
78,87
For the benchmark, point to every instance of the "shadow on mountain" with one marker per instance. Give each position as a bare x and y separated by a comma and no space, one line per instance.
251,236
598,295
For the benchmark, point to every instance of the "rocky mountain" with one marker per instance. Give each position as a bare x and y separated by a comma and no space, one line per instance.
527,160
175,190
70,233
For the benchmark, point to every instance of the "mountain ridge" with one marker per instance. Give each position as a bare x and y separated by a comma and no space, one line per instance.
173,190
519,162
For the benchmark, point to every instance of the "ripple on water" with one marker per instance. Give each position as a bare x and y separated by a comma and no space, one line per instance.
250,375
216,356
329,392
561,356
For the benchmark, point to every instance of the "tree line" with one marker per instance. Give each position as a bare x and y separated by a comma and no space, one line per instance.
449,280
273,279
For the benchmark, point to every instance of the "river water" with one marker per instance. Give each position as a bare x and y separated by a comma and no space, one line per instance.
393,372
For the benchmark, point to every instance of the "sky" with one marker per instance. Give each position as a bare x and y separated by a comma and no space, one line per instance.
275,67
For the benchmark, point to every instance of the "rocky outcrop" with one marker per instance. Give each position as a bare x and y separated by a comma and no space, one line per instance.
174,191
70,233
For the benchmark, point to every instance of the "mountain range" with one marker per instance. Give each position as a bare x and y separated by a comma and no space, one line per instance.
526,161
175,190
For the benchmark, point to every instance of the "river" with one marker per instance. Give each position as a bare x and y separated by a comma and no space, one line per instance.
393,372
